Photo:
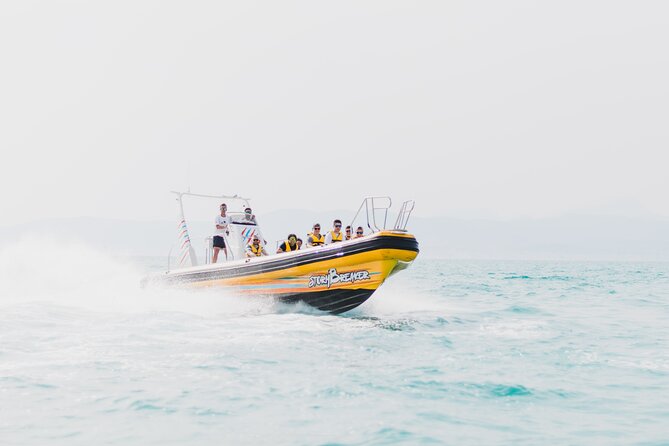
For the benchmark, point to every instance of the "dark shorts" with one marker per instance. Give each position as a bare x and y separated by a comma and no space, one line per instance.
219,242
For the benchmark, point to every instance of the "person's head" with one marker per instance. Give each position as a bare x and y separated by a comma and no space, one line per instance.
337,225
248,211
317,228
223,207
256,240
348,230
299,242
292,239
359,231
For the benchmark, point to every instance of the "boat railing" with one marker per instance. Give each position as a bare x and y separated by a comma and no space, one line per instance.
231,252
209,248
373,207
374,211
169,257
403,215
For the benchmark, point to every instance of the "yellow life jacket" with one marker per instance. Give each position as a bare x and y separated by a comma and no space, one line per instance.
316,240
288,249
257,251
335,237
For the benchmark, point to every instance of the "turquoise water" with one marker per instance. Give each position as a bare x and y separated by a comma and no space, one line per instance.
447,352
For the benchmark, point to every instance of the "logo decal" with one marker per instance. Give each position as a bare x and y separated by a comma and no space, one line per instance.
333,277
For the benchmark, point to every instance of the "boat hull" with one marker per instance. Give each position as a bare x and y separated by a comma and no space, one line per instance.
333,278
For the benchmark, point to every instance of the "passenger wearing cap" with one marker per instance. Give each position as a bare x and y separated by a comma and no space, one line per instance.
289,245
315,238
255,249
335,235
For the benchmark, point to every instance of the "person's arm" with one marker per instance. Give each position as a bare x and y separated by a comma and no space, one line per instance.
328,238
263,252
281,246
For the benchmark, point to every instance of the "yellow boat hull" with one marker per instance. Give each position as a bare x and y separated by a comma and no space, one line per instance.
334,278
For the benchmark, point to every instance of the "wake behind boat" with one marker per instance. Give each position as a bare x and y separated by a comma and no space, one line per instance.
335,278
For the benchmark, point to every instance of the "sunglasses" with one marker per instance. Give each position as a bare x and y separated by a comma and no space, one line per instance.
256,240
359,233
316,229
337,226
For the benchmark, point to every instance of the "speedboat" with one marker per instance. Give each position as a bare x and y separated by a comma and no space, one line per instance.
334,278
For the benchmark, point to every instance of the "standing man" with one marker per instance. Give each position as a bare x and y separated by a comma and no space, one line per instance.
335,235
221,222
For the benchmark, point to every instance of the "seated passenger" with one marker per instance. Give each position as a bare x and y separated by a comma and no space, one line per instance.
335,235
348,233
359,232
299,243
255,249
315,238
288,245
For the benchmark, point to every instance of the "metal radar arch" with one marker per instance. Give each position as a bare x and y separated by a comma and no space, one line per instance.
187,256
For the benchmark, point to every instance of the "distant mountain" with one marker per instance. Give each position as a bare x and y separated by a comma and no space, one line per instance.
569,237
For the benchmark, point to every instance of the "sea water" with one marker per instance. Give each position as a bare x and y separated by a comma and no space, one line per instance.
446,352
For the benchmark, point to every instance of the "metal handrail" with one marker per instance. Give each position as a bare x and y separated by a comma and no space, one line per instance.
369,204
404,214
372,205
230,251
208,248
169,256
229,197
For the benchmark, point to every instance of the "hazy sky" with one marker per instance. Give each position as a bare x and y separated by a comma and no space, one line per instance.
493,109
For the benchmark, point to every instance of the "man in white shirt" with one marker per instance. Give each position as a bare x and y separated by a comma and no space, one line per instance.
221,223
335,235
249,217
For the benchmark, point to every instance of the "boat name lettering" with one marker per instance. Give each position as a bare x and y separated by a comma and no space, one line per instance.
333,277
